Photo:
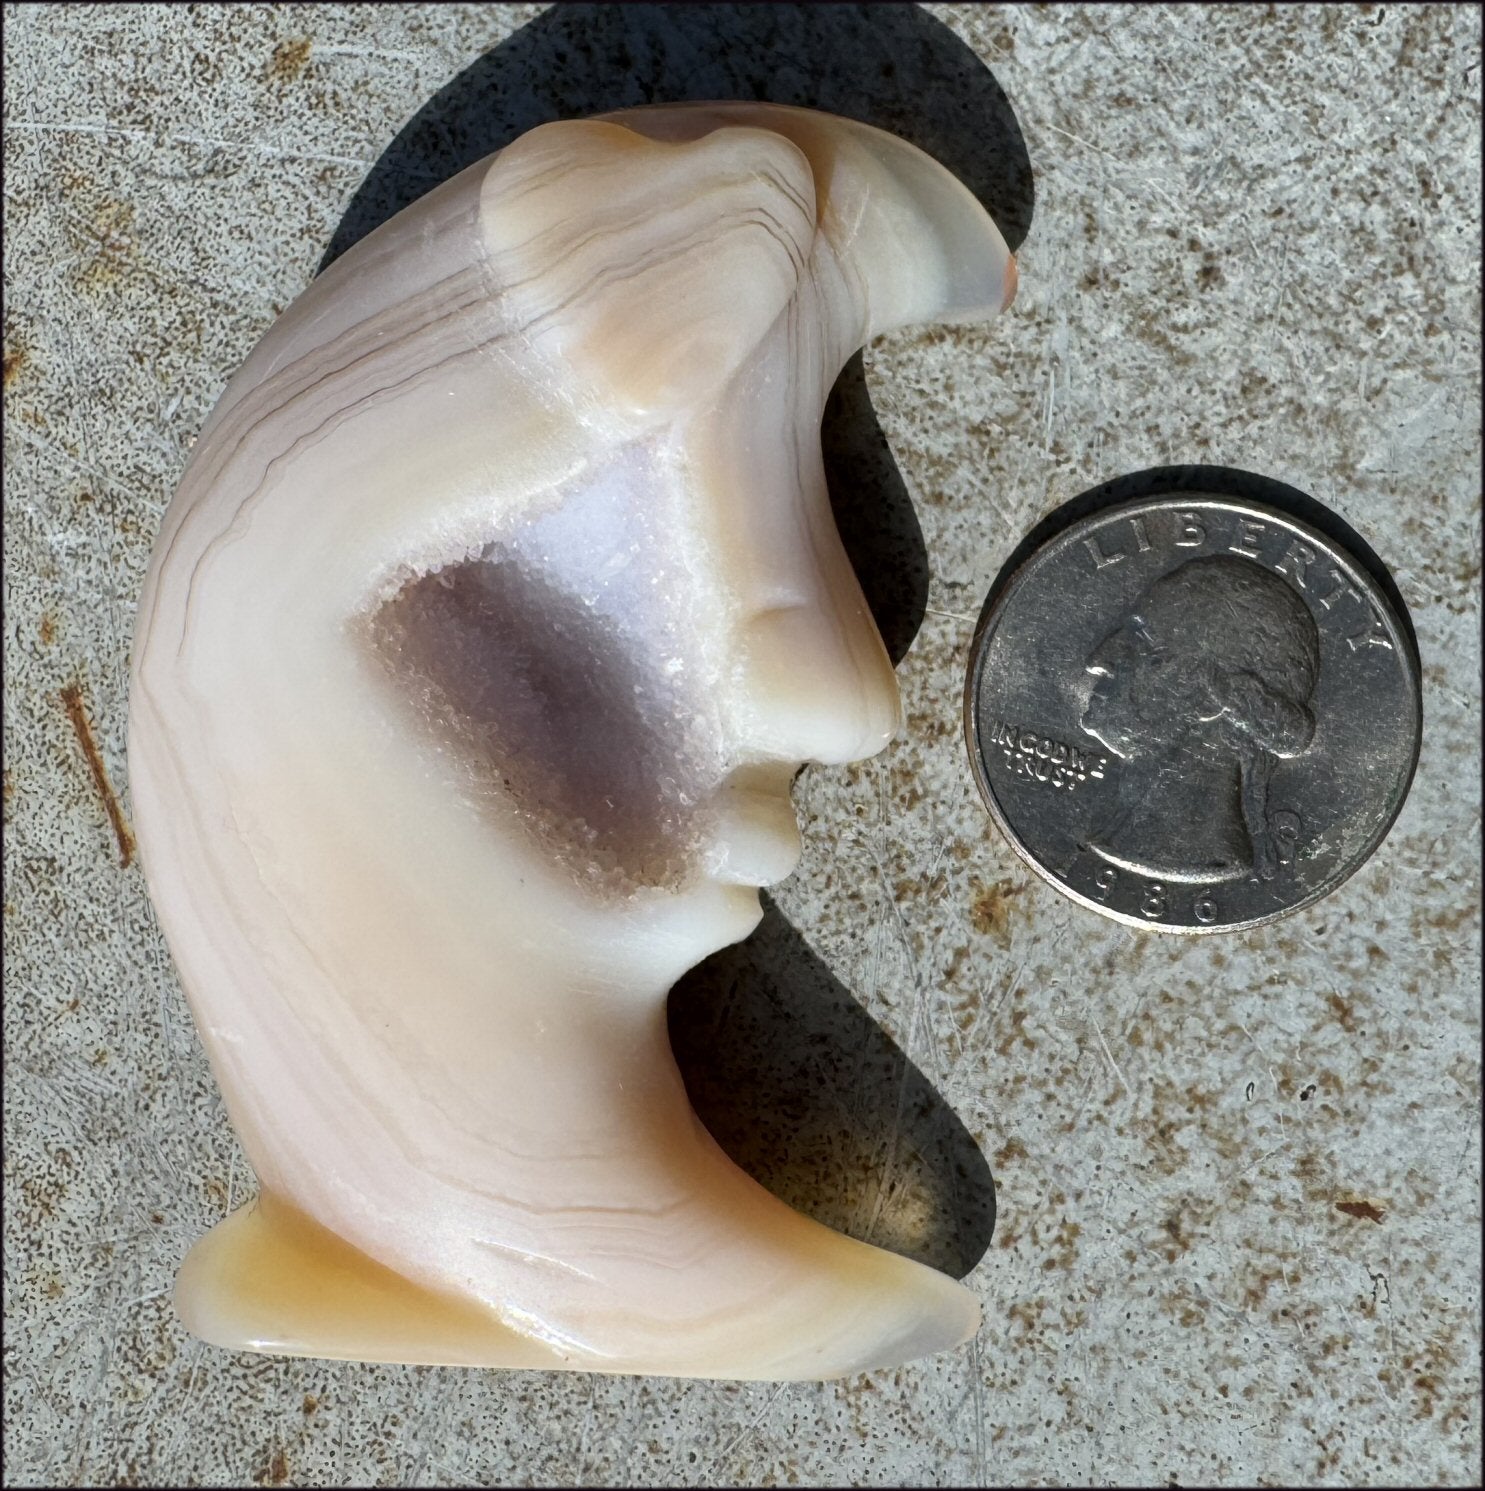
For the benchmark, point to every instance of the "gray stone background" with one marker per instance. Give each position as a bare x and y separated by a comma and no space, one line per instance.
1256,242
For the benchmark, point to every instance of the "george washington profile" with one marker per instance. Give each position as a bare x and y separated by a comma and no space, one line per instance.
1201,689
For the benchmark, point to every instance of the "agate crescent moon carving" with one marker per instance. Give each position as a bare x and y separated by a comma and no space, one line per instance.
495,611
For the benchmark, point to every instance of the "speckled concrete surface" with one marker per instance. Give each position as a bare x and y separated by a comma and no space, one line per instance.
1256,243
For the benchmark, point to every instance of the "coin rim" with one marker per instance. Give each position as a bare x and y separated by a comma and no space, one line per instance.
988,624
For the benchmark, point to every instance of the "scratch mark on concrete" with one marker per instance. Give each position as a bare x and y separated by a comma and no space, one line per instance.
589,1415
383,53
1109,1056
228,291
752,1424
251,147
977,1388
1266,1155
51,448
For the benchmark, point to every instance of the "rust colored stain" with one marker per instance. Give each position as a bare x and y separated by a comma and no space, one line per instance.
290,58
990,914
48,629
274,1471
15,360
1343,1012
1363,1210
1012,1149
72,702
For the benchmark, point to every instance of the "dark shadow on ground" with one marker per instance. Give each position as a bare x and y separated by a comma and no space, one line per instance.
815,1100
893,66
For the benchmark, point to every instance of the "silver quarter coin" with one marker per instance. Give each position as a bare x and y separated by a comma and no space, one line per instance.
1193,713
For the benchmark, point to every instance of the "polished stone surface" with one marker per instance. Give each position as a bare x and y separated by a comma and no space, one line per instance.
1236,1180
